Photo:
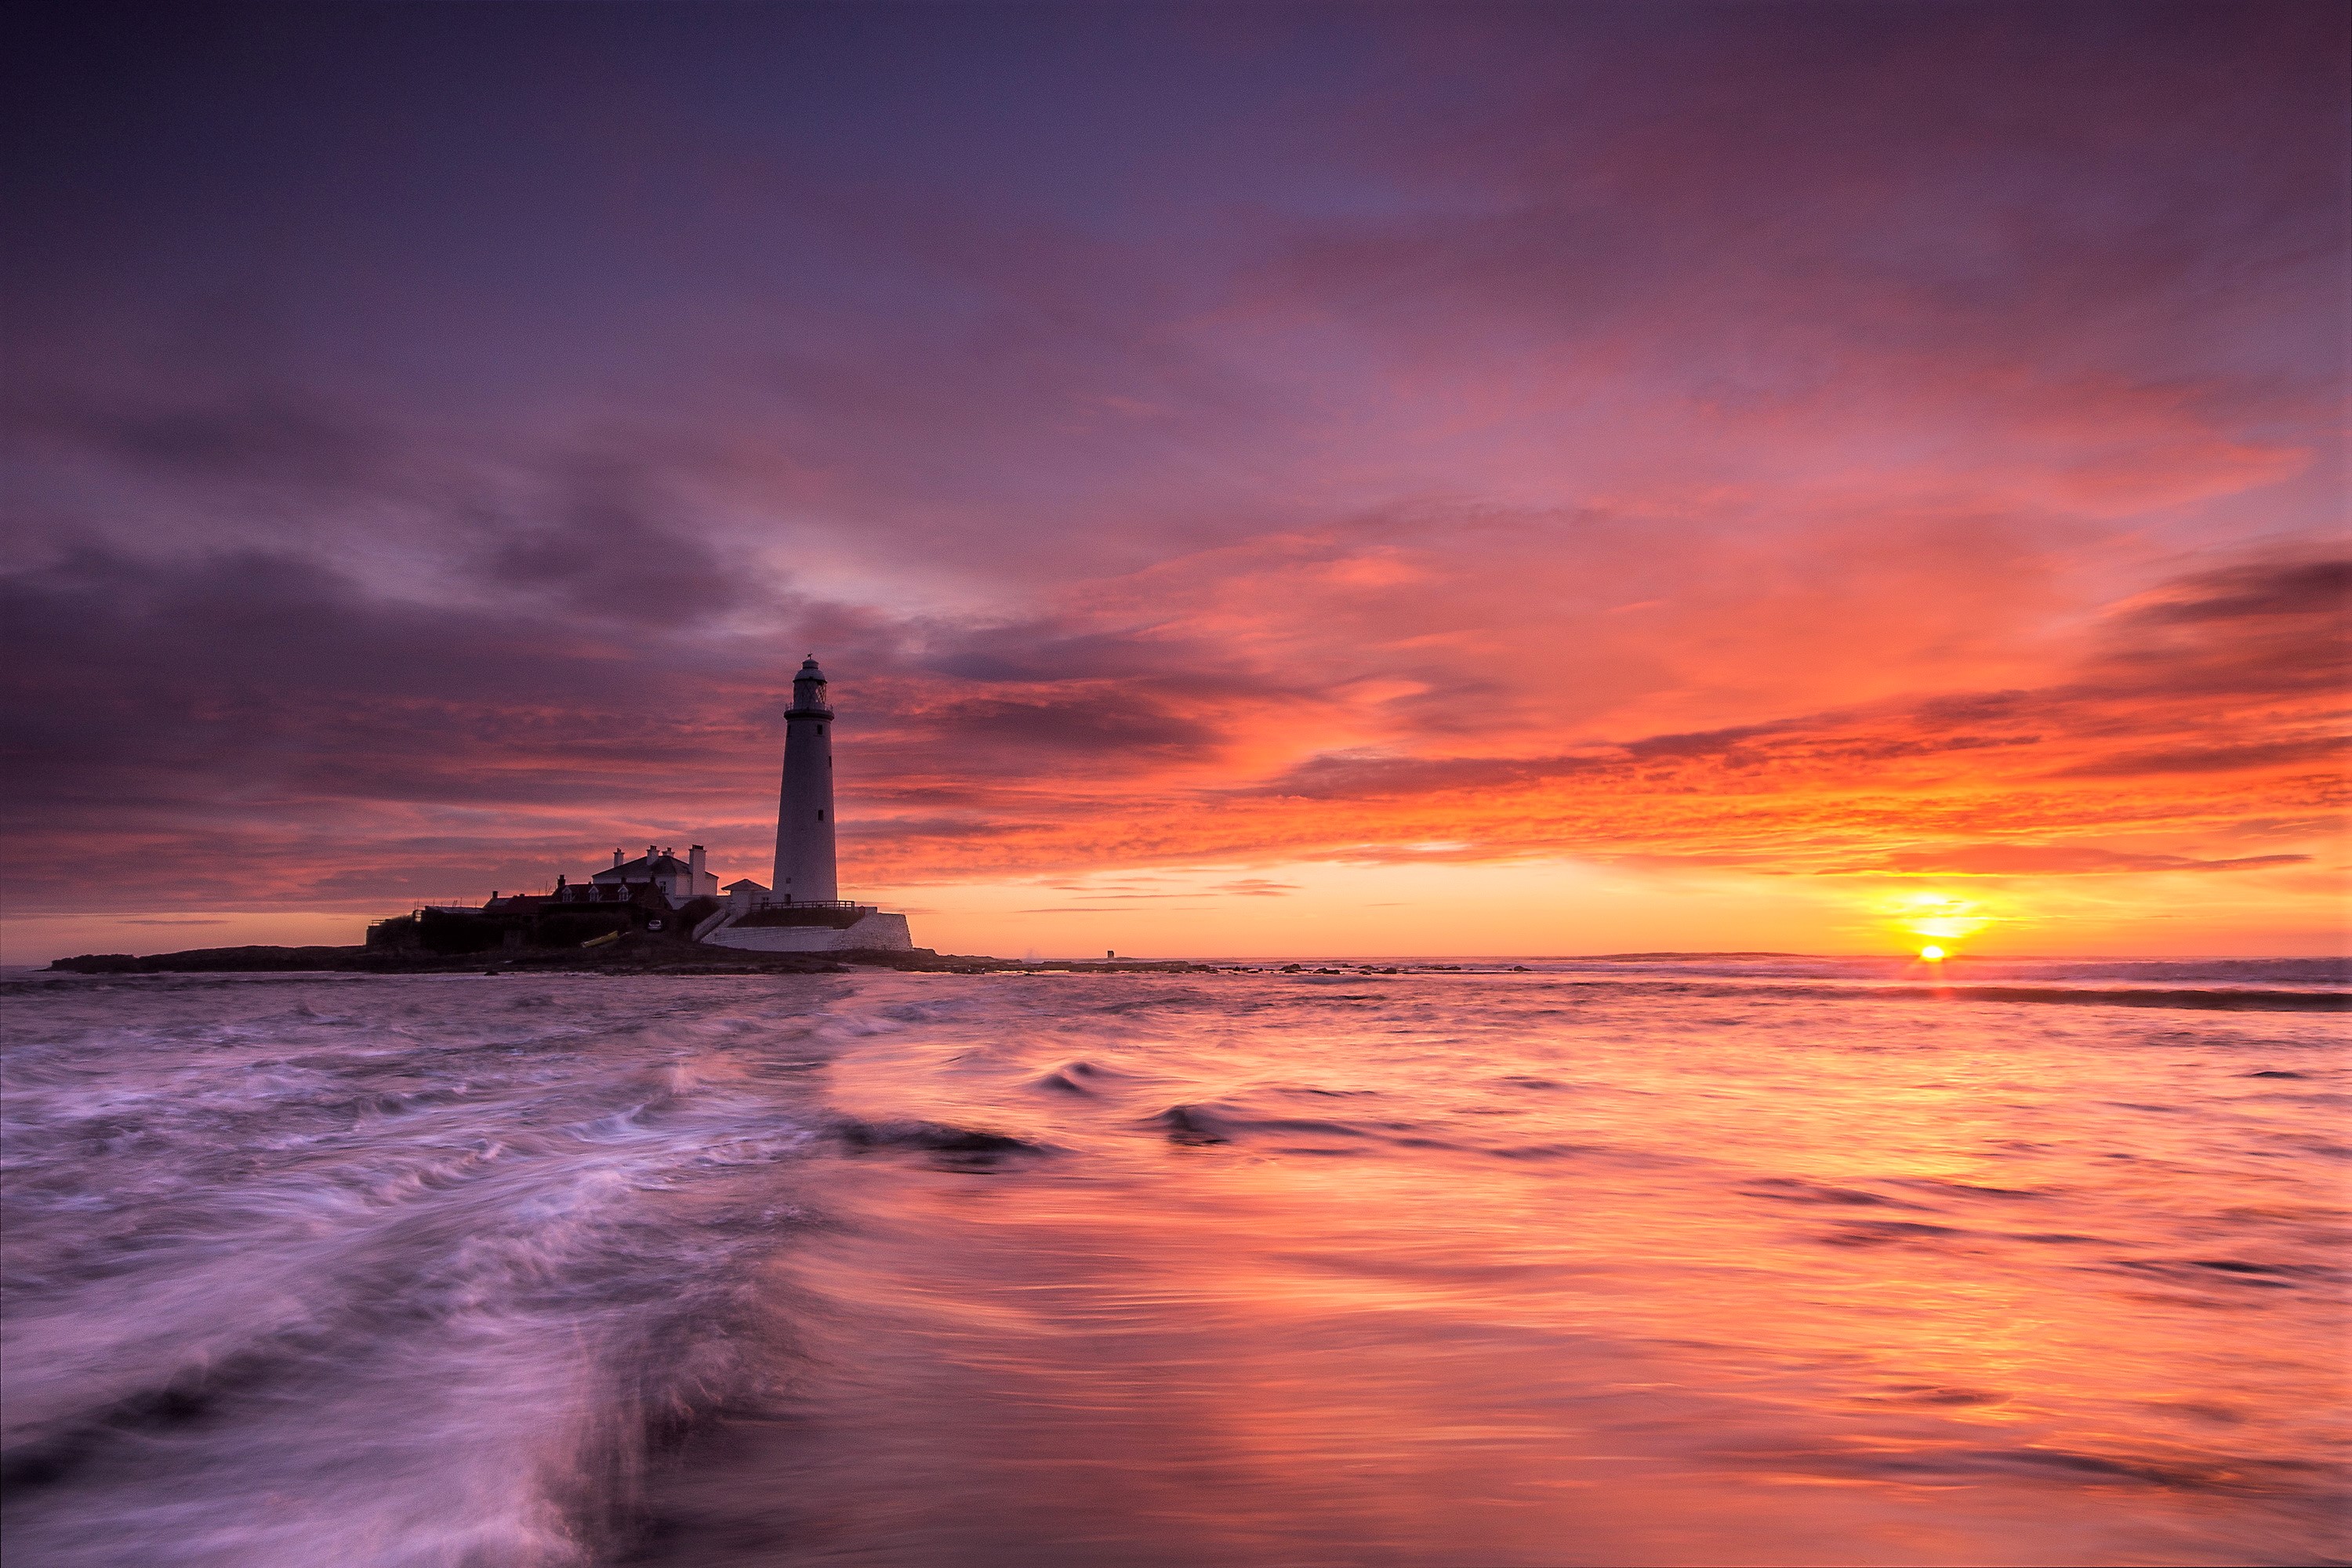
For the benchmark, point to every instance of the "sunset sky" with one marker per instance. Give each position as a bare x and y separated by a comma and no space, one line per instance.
1382,480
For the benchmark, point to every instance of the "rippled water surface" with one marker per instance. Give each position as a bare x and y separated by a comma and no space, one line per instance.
1736,1261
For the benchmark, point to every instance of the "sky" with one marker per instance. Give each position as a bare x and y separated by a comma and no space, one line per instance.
1384,479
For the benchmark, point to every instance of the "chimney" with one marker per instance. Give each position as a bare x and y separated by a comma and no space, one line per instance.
616,860
694,862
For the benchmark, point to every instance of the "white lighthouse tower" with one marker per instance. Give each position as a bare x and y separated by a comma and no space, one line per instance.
805,911
804,865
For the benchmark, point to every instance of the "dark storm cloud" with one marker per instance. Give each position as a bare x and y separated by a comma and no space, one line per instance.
1344,776
927,827
1933,167
1121,724
1809,743
277,435
1036,652
606,558
2313,594
249,676
259,627
2261,626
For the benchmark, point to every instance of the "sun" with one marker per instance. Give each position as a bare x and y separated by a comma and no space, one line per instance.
1932,953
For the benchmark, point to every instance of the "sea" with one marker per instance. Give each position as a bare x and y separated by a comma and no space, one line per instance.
1655,1259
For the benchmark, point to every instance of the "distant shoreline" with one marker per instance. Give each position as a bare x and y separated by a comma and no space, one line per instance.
647,954
635,954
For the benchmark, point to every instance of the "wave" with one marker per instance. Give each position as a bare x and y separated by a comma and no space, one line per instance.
961,1146
2245,1000
290,1287
2210,998
2225,973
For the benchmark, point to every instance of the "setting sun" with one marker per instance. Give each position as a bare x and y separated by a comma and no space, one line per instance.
1933,955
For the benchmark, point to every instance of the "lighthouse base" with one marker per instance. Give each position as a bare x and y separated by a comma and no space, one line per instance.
872,929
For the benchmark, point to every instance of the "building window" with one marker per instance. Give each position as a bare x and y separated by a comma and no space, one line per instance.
820,816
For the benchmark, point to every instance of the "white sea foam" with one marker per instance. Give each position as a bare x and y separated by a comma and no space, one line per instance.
399,1284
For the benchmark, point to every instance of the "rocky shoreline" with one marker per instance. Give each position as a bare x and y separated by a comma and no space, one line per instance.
637,952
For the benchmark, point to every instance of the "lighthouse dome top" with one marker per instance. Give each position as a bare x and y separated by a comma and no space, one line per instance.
809,689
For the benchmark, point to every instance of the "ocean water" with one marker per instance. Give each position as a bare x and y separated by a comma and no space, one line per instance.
1735,1260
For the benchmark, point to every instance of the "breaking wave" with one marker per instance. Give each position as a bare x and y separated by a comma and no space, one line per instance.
360,1275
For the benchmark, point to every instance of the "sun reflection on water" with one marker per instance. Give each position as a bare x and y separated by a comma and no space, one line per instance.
1469,1268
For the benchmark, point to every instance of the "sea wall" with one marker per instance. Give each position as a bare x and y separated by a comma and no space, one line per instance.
876,933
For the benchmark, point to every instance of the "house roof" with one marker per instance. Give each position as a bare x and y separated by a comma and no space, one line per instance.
641,869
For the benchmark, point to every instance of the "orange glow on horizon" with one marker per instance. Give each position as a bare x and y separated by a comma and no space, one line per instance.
1941,916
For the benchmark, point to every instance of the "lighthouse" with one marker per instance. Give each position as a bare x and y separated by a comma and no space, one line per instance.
804,913
805,866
